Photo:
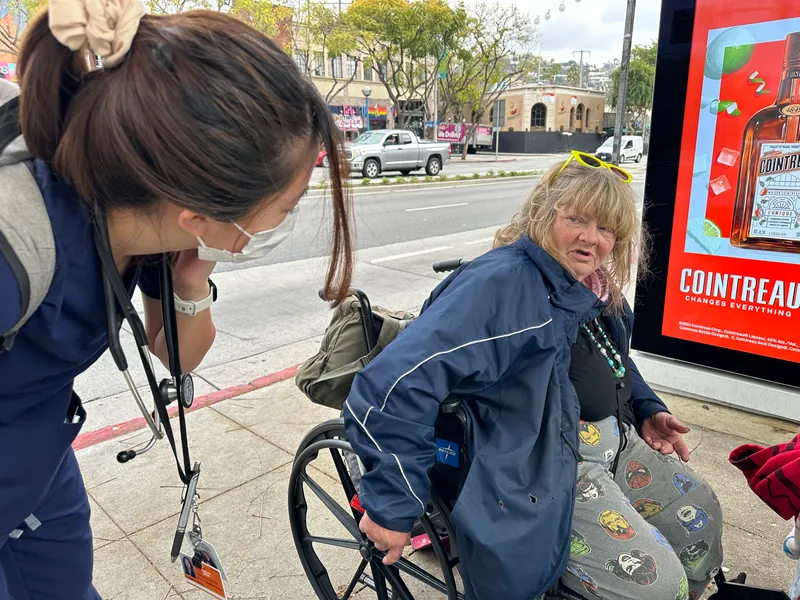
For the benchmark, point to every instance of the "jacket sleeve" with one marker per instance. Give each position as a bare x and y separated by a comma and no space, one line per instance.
644,401
464,341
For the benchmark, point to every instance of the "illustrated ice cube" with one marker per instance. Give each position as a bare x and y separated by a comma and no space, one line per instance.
720,185
728,157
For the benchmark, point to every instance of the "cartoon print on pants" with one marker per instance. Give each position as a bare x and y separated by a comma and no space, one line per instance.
588,583
637,475
694,594
616,525
647,507
667,459
588,489
634,566
659,537
684,483
683,588
590,434
578,545
693,518
615,425
692,556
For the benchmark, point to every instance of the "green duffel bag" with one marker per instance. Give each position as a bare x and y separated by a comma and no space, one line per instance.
349,344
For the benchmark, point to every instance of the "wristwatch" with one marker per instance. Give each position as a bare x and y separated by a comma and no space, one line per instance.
188,307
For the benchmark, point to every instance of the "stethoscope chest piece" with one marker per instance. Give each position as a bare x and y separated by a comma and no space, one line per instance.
187,390
169,392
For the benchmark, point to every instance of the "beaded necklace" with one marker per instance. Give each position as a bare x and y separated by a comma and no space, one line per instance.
607,349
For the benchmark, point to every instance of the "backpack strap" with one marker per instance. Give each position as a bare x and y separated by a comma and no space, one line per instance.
26,236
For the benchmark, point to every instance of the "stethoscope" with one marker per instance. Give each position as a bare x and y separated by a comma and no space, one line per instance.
179,386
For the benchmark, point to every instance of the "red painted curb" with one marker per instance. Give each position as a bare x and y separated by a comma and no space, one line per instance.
91,438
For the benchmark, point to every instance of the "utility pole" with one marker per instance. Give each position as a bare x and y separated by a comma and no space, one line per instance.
622,92
580,76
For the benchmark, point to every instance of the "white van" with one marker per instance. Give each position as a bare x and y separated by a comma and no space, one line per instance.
631,148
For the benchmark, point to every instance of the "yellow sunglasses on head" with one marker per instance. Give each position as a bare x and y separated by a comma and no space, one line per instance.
587,160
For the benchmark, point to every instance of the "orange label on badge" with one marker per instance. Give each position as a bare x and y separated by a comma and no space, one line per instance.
205,577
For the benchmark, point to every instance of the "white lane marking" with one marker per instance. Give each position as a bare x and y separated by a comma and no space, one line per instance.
383,259
438,206
482,241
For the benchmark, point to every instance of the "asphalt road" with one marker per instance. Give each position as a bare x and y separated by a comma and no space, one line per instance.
388,216
475,163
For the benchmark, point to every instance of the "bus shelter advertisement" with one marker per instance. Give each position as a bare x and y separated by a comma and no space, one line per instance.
734,267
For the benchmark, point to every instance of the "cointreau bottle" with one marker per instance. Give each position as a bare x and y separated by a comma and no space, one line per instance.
766,215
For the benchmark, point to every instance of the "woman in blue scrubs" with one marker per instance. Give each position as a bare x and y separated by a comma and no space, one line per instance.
196,137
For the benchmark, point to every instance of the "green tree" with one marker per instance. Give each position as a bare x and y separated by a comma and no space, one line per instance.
404,42
573,74
262,15
641,77
550,71
23,11
495,54
317,29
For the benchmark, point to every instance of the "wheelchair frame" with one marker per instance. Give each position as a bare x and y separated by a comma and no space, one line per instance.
446,481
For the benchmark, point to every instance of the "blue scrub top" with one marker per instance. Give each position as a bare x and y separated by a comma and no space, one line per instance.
68,332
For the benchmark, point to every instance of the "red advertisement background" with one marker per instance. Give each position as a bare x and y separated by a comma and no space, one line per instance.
715,14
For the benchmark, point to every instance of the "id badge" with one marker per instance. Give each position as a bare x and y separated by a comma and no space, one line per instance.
205,552
205,577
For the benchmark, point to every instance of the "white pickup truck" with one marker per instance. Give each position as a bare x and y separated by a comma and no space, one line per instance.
375,152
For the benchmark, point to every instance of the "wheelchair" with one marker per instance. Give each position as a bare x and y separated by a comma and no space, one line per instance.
324,514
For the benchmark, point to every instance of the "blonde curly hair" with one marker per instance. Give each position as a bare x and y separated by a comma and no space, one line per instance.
597,193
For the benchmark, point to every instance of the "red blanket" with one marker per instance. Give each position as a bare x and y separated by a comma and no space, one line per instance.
773,473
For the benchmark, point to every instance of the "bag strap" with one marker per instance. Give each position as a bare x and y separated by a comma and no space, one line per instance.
26,236
26,242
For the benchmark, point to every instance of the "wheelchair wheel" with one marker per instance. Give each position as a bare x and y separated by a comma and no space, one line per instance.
338,559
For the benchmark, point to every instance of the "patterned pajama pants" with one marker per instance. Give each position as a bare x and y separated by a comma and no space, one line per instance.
653,532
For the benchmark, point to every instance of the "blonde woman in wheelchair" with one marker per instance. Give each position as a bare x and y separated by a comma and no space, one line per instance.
573,473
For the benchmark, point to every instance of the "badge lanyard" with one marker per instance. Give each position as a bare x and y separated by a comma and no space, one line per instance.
179,387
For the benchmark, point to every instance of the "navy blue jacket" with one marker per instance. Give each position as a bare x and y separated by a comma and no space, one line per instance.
497,333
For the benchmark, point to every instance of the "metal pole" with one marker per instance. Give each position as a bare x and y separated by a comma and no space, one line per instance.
580,73
622,92
367,99
436,107
497,129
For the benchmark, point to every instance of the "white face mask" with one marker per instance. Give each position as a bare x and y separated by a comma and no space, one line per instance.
259,245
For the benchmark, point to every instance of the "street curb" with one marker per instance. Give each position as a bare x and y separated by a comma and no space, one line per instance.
320,193
110,432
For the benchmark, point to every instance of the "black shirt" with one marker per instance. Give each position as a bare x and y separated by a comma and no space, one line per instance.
598,390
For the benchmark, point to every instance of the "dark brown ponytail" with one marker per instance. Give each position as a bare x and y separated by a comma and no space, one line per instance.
204,112
50,74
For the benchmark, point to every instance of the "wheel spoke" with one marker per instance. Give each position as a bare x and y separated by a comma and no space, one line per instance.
380,582
399,589
355,580
420,574
328,541
341,515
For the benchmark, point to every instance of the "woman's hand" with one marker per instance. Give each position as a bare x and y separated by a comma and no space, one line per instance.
385,540
190,275
662,432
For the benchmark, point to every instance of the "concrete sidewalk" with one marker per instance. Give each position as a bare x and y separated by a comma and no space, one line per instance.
246,444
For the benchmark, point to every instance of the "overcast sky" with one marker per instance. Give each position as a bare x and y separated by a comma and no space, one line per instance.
595,25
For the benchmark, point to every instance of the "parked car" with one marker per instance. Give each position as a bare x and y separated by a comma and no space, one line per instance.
323,160
382,150
631,148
